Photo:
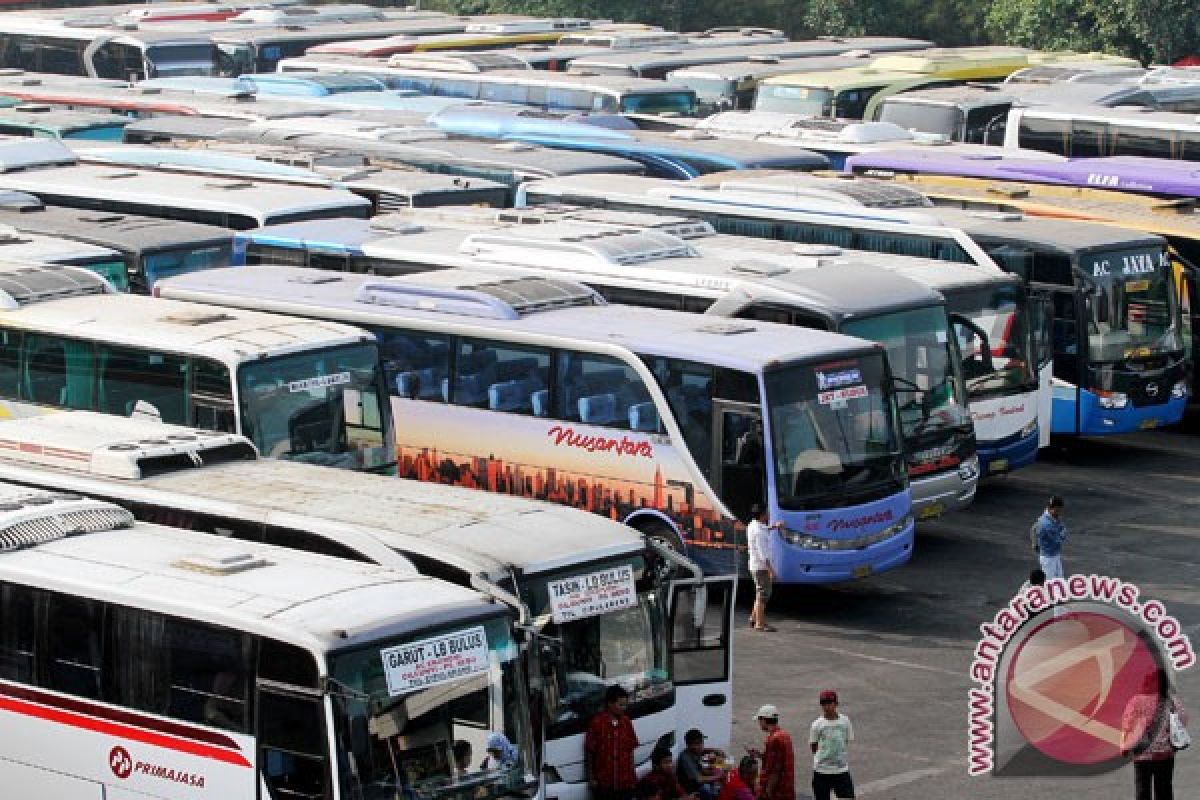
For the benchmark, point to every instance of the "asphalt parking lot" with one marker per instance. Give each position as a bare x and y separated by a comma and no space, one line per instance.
898,646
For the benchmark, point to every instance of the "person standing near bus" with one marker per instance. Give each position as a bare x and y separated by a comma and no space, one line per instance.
830,737
758,540
1050,534
608,747
777,780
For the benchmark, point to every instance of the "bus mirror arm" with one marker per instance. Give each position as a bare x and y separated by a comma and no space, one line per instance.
481,584
678,559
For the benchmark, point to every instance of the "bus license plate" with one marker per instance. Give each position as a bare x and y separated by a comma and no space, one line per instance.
999,465
863,571
1147,424
932,511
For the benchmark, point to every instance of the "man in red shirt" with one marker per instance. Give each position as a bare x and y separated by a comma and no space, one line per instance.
739,785
608,747
777,781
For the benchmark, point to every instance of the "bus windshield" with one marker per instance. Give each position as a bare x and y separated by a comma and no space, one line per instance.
171,60
832,432
626,646
659,103
1130,312
802,100
320,407
991,325
923,117
114,271
400,706
169,263
922,359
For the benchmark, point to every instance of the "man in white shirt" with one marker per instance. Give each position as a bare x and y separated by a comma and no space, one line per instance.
758,538
829,737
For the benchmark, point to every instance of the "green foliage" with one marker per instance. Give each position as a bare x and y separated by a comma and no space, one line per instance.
1158,32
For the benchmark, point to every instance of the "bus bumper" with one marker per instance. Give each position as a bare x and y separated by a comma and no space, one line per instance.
843,544
942,492
1097,421
1004,455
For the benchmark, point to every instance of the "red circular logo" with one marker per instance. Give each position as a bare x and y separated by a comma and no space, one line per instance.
120,762
1071,682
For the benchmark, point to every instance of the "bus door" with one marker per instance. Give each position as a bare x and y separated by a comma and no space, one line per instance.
1041,316
739,448
701,620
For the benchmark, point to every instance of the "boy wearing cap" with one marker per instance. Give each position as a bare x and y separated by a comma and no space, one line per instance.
777,781
829,737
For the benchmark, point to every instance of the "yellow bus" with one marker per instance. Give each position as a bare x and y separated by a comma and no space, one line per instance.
853,92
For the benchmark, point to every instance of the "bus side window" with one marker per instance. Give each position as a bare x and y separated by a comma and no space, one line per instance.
510,378
601,390
1066,333
1131,141
212,396
1189,146
291,728
10,363
58,372
17,633
118,61
640,297
1050,135
129,376
415,364
1088,139
74,651
689,390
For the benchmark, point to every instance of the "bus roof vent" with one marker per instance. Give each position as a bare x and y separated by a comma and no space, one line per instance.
510,298
230,185
10,235
998,216
222,561
692,135
683,227
33,108
816,250
118,175
548,244
196,318
316,279
514,147
726,328
29,518
21,285
388,223
759,269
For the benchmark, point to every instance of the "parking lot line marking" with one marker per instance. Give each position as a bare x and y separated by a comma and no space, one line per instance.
893,661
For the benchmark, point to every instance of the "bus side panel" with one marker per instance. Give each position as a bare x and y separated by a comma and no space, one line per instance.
34,783
130,752
608,471
11,408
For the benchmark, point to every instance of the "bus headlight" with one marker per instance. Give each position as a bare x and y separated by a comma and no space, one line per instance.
808,542
968,470
1180,389
804,540
1030,429
1113,399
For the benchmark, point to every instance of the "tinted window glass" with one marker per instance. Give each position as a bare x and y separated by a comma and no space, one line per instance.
502,377
129,377
689,390
58,372
74,646
10,358
16,634
291,744
600,390
1043,134
415,365
1130,141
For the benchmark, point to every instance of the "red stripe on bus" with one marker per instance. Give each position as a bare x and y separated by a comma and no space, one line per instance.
75,719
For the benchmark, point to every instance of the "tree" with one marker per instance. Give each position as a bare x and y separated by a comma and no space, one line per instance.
1158,32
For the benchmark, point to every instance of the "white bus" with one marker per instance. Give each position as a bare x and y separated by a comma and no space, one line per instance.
677,669
138,660
63,48
20,246
298,388
1089,131
50,171
745,212
683,265
672,423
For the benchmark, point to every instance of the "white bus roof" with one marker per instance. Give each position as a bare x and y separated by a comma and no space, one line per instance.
316,601
452,301
827,278
74,302
382,517
32,248
27,169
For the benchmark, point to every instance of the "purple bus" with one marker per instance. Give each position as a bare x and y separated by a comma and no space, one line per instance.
1158,176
